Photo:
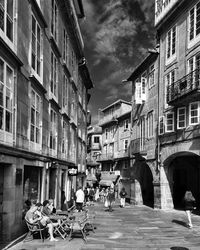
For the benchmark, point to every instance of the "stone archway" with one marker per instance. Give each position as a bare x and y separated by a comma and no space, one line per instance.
183,174
143,183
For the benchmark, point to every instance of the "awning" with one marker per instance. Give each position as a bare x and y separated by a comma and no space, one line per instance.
91,178
105,183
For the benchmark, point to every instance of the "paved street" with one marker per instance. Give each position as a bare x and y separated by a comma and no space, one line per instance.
131,228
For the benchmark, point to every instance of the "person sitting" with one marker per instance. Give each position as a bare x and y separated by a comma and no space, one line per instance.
46,208
34,215
51,206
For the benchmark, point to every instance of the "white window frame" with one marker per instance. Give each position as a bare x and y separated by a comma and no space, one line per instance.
64,146
170,79
170,55
196,37
151,76
7,86
126,124
7,16
126,142
180,120
167,120
190,117
65,94
54,19
34,52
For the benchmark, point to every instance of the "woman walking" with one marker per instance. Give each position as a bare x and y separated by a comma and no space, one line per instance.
189,204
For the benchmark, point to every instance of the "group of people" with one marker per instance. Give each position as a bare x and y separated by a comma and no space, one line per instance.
38,213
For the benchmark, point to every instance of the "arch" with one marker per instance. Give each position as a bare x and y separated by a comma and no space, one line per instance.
183,173
144,177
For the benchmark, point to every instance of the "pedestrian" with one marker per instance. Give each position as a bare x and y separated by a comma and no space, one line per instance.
86,195
63,201
97,194
91,196
189,204
80,197
123,195
111,199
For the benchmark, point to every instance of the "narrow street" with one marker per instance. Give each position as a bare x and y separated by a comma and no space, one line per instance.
132,227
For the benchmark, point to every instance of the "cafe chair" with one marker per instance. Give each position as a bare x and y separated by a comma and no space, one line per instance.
78,226
34,229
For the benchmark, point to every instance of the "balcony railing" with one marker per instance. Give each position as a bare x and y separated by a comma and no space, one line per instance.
105,157
189,84
138,146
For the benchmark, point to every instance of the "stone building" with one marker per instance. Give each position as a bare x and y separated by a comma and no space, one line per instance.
115,122
143,137
178,34
94,146
43,105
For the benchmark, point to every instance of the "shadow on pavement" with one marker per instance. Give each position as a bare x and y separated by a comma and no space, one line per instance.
182,223
179,248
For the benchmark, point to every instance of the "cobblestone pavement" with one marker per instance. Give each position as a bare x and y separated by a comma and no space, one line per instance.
132,227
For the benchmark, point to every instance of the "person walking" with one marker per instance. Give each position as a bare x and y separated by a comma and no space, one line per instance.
189,204
80,197
97,194
123,195
91,196
111,199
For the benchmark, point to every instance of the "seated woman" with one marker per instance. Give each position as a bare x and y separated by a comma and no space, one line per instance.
34,215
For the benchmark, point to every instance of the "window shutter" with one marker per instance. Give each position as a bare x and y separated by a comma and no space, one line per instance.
138,93
143,88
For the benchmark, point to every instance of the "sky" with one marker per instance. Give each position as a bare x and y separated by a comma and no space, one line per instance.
117,35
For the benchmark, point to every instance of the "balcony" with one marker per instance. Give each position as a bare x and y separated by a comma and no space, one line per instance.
122,154
138,146
108,119
105,157
186,89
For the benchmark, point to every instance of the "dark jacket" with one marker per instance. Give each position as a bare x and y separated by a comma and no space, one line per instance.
123,194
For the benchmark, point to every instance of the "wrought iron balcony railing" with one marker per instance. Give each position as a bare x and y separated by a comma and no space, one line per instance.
186,85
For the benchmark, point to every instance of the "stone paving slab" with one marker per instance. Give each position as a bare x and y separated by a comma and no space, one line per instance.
134,227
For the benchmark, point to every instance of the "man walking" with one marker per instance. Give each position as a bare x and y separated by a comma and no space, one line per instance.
80,197
123,195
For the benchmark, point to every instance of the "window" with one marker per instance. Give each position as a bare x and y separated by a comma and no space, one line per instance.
193,70
6,97
143,86
170,122
125,144
194,22
106,132
6,18
150,127
54,19
126,124
151,76
53,129
194,113
36,46
65,93
54,70
64,146
65,46
181,118
171,43
96,139
169,81
35,130
142,133
161,125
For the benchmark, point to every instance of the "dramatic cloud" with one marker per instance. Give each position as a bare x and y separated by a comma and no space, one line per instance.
117,34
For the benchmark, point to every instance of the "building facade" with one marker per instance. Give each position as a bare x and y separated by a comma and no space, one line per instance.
114,158
143,146
178,32
43,105
94,146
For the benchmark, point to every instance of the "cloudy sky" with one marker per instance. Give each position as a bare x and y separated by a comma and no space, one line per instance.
117,35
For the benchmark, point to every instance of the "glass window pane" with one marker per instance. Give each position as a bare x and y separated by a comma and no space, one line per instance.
10,8
2,15
8,124
1,71
32,133
9,28
9,77
32,116
1,118
1,94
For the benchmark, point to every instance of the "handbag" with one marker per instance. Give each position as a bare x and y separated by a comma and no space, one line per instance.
106,203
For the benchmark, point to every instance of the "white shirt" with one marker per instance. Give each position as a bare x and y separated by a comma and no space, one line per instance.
80,196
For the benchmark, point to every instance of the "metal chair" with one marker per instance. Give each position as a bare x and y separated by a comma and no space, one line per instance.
35,228
78,226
